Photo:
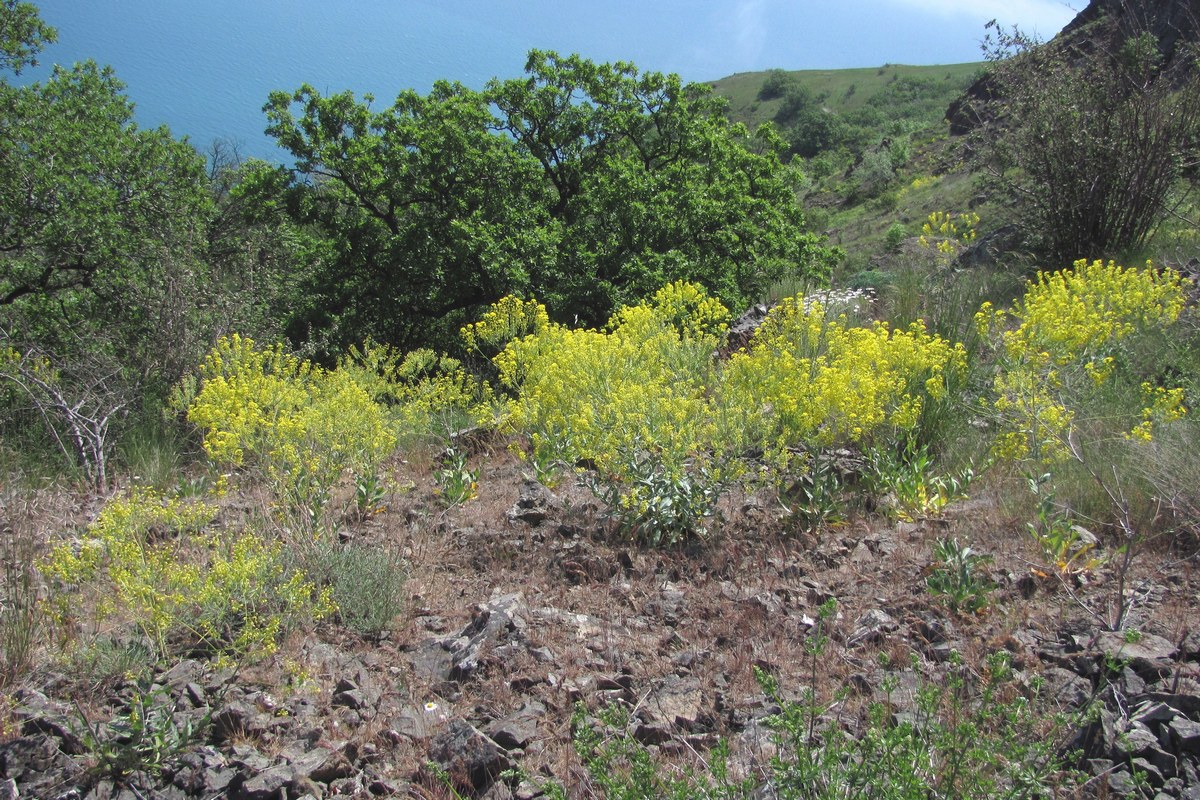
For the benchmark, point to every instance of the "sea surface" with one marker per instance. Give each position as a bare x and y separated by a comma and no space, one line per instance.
206,67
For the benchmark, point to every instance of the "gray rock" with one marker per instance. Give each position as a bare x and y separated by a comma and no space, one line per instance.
533,504
472,761
264,785
519,728
1148,771
322,765
1186,734
1121,783
679,702
872,627
1136,741
1150,656
1066,688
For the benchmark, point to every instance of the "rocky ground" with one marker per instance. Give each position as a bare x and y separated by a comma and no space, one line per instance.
520,607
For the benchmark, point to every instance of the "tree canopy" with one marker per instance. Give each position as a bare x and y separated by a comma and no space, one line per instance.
588,185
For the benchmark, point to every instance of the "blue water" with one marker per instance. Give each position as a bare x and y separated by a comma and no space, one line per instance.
206,67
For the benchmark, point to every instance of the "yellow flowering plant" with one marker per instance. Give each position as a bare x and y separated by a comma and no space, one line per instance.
155,561
1079,389
631,400
810,379
300,426
1065,364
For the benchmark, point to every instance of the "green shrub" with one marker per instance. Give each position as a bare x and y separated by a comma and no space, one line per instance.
366,582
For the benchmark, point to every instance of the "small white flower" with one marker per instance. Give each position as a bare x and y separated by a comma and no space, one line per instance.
431,708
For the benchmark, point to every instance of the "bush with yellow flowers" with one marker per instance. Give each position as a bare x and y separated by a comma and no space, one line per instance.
631,400
302,427
666,427
426,394
1067,354
153,561
813,380
1080,393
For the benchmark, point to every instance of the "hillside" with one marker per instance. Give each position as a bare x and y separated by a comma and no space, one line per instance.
845,90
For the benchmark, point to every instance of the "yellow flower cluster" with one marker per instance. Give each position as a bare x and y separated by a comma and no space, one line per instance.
1074,315
807,378
423,391
649,383
152,561
1069,329
510,318
301,425
602,395
948,232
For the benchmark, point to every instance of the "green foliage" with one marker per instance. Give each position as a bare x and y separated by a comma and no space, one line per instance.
144,739
897,232
23,622
956,578
1068,548
666,429
442,204
655,505
908,483
103,223
23,34
456,482
1081,392
967,738
623,769
964,742
1090,142
775,85
817,497
427,395
366,583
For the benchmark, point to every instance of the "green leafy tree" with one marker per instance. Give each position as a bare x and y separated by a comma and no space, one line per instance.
589,185
23,34
102,235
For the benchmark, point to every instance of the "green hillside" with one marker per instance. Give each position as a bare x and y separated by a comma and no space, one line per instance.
844,90
873,148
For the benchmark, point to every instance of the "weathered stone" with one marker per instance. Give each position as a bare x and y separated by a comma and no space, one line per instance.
349,698
238,718
519,728
1148,655
679,702
1148,771
533,504
323,765
1135,741
871,627
264,785
1186,734
471,760
1121,783
1066,688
